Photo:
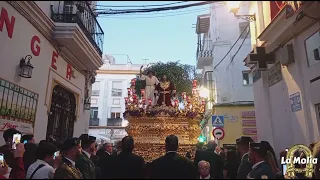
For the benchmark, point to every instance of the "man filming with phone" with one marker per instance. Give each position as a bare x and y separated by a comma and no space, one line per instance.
13,157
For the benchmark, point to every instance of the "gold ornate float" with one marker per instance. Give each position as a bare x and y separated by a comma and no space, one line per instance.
150,125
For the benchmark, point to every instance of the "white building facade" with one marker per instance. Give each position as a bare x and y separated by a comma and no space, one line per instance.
223,74
64,55
286,76
107,102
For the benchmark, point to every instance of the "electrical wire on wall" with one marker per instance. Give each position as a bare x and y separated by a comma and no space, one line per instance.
232,47
233,57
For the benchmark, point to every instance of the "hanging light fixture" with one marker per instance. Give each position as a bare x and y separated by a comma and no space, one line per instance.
26,67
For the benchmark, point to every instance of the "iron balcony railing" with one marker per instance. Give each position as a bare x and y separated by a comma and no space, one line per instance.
114,122
205,53
94,122
86,20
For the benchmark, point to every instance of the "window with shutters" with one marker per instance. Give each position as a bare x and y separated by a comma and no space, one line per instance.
115,115
247,78
95,88
116,89
242,27
68,9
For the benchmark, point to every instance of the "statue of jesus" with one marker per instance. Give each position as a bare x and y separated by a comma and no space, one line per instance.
151,83
165,88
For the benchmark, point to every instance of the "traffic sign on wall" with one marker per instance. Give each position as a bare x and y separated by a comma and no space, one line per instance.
218,121
218,133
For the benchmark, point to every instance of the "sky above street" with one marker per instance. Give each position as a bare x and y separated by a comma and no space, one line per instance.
157,36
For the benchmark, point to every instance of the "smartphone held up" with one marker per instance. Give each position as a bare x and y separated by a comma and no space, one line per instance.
16,140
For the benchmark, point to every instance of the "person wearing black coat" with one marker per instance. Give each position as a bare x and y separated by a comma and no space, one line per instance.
128,165
216,161
172,165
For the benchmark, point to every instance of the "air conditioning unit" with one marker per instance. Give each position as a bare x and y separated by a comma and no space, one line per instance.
287,55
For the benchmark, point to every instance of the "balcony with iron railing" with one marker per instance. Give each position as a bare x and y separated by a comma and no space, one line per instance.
204,56
81,14
114,122
94,122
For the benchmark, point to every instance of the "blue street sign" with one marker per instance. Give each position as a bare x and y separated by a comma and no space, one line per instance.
218,121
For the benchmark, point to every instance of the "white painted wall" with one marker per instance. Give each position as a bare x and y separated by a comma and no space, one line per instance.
275,120
13,49
224,30
105,99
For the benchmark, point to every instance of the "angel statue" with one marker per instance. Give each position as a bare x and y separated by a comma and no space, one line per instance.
151,83
164,89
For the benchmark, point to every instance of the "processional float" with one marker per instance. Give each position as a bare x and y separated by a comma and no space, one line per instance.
150,125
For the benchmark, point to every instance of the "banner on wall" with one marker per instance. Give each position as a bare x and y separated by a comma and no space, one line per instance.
249,131
24,128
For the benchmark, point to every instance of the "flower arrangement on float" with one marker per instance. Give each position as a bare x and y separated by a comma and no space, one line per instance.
136,106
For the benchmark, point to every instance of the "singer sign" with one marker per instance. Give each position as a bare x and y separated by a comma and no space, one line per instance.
290,7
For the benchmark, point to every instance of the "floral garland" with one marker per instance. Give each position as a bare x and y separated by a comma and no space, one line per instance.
160,110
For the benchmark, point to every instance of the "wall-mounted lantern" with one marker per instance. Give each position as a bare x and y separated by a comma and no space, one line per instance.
26,67
234,7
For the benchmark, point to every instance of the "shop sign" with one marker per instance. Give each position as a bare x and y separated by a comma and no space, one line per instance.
248,114
249,131
24,128
291,7
248,122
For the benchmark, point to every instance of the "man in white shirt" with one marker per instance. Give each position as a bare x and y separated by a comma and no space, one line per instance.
204,169
41,169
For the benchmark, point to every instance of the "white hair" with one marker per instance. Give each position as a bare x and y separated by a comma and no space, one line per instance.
203,162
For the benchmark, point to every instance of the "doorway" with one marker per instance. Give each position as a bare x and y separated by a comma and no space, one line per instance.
62,114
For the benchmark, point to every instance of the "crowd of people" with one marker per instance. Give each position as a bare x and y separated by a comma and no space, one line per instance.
82,158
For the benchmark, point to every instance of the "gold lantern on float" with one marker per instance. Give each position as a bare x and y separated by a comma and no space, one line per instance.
150,125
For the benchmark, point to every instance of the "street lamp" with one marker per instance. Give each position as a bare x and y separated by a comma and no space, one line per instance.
26,67
234,7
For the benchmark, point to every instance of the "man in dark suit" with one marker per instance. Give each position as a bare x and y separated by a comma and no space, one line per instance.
216,161
71,150
172,165
106,161
84,163
128,165
260,169
30,155
245,165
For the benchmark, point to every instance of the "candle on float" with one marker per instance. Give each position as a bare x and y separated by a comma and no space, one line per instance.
194,83
150,101
142,92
